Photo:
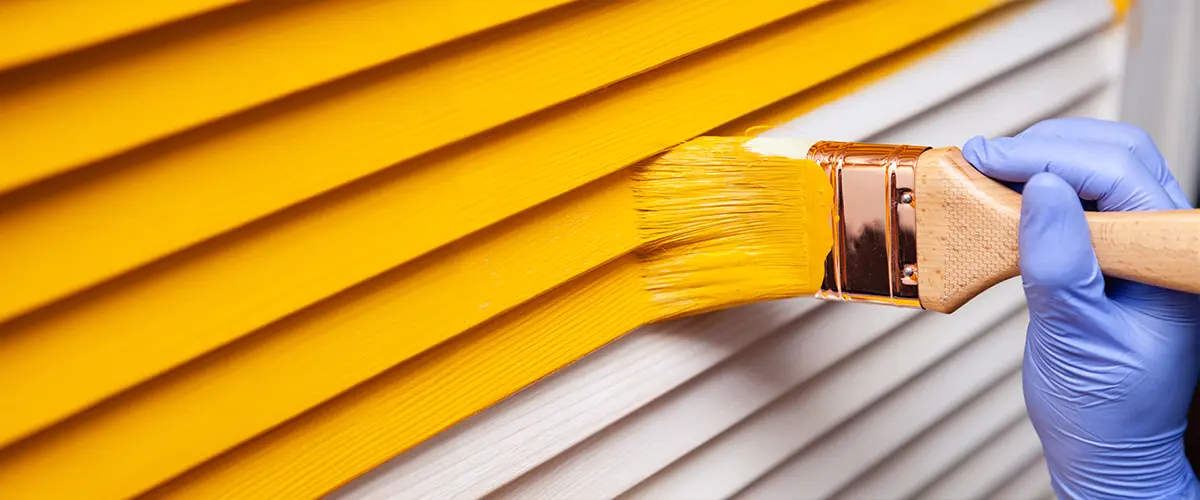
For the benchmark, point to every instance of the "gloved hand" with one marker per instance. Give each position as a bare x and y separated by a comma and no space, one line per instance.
1110,365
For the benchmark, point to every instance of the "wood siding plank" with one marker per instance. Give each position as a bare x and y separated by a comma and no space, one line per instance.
760,418
919,462
988,468
77,110
154,201
36,29
830,464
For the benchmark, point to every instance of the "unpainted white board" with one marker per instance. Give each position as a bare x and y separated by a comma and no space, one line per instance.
986,470
1005,105
991,51
633,448
930,455
830,464
1033,482
734,459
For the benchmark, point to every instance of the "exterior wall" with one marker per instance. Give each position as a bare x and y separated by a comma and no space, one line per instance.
262,249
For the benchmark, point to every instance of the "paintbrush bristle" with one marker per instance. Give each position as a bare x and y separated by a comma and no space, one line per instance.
724,225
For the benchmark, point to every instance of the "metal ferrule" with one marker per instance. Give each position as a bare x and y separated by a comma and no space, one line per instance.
874,256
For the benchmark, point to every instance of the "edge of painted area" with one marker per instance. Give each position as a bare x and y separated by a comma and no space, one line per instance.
1122,7
786,147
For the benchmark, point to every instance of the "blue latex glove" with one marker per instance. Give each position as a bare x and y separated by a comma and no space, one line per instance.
1110,365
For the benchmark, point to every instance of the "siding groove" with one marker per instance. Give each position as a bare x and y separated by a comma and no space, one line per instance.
617,458
36,29
831,463
986,469
733,460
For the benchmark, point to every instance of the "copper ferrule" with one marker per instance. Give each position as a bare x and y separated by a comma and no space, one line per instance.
874,256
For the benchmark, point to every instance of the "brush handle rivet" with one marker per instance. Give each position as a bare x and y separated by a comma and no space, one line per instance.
907,197
910,270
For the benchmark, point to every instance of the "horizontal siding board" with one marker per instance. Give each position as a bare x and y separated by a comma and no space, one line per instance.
832,462
1031,483
919,462
295,364
986,470
147,204
35,29
618,457
327,446
483,452
1002,44
193,73
1006,105
733,460
215,293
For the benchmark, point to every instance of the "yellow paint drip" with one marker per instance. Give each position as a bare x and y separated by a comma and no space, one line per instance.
725,226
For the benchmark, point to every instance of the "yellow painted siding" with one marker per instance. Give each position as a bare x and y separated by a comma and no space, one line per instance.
269,247
33,29
1123,6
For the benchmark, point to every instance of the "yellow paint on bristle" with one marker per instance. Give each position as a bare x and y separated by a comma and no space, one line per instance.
725,226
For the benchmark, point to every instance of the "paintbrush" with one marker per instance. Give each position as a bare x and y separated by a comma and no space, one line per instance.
733,220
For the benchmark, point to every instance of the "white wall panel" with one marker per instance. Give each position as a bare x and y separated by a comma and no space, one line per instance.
821,470
1005,105
991,51
986,470
738,457
1031,483
933,453
640,445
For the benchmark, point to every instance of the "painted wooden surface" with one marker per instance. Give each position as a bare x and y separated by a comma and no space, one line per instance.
212,178
32,29
230,286
237,236
590,447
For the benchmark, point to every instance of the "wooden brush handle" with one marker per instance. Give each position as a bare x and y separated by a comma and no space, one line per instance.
1157,248
967,236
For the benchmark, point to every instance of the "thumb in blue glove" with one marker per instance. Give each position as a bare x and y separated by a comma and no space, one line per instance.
1110,366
